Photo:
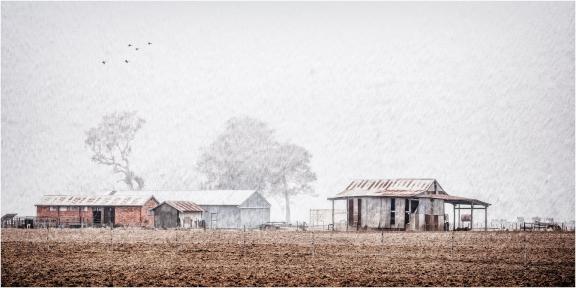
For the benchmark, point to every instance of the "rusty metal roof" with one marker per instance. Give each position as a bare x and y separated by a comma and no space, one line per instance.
419,188
456,199
389,187
94,200
184,206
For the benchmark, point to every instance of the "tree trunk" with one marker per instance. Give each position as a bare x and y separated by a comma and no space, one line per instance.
129,180
286,199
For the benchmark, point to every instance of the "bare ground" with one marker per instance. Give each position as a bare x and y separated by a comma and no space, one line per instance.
131,257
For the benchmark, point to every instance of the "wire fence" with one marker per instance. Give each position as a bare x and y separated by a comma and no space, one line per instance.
525,250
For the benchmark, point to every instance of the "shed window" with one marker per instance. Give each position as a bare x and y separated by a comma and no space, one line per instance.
53,208
392,204
63,208
85,208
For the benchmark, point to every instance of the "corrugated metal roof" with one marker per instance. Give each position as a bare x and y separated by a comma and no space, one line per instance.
184,206
456,199
402,188
389,187
94,200
200,197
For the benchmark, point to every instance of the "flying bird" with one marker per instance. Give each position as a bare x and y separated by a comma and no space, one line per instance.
103,62
129,45
149,43
137,48
126,61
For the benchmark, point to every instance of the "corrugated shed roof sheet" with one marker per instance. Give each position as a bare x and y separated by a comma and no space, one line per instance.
402,188
184,206
389,187
456,199
200,197
94,200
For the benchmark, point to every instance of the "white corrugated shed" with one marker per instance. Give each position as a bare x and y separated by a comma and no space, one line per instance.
200,197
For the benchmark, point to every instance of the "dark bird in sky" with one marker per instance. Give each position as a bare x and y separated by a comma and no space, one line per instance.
126,61
103,62
129,45
149,43
137,48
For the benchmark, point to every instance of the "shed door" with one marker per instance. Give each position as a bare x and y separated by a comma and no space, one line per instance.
427,222
359,216
350,211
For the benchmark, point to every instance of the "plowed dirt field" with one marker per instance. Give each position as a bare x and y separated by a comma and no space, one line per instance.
131,257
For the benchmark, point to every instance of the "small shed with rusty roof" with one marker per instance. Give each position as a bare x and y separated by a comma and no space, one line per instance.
178,214
403,204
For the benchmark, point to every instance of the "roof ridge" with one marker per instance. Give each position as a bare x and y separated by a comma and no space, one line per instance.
375,179
180,190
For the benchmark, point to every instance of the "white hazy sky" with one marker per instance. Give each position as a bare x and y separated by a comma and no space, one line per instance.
477,95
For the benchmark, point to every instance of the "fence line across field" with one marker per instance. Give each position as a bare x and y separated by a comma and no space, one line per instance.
442,246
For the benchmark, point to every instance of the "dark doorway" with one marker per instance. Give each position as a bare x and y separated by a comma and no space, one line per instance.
109,214
359,216
350,211
406,212
97,216
413,205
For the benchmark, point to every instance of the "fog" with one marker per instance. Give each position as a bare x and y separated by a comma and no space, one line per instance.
479,96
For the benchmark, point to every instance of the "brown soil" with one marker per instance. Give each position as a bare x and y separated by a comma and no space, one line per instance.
100,257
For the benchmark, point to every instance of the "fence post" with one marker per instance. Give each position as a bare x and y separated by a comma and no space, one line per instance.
382,242
525,257
313,247
111,254
242,244
452,245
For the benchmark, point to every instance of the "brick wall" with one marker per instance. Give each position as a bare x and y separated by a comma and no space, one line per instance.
148,218
66,216
128,216
136,216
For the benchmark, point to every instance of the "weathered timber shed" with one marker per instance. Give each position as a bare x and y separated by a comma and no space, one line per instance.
404,204
96,210
222,208
174,214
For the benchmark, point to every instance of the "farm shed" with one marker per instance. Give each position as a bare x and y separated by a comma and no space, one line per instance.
404,204
96,210
222,208
173,214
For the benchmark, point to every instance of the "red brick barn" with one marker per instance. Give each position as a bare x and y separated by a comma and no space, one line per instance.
97,210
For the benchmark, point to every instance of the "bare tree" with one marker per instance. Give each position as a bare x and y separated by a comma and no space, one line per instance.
246,156
291,173
111,143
